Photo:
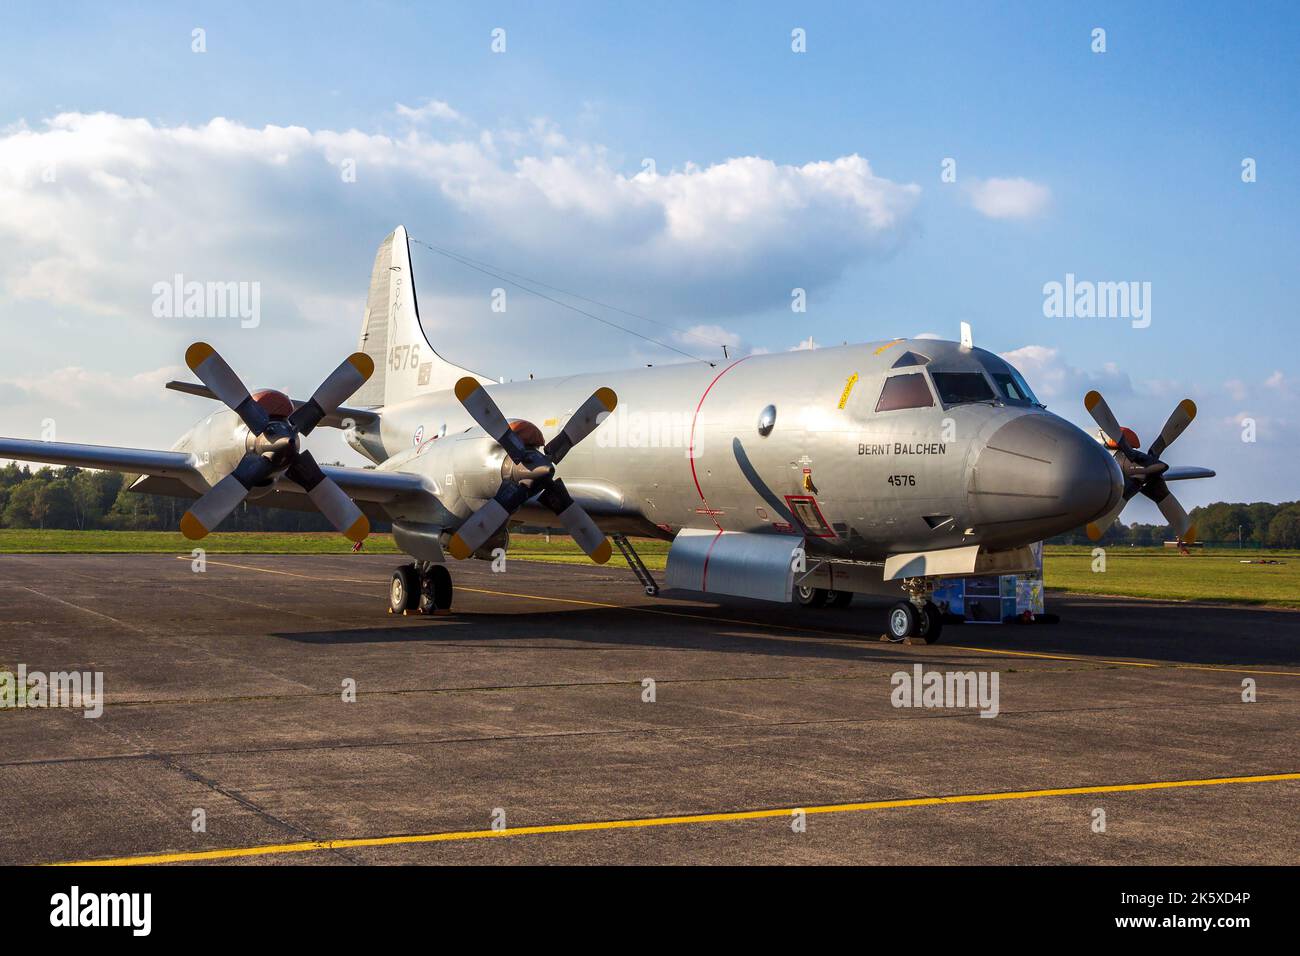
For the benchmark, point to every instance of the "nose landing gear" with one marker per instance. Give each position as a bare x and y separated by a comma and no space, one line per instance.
420,588
917,618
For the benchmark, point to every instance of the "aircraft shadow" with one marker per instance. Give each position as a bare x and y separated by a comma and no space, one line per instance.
1090,628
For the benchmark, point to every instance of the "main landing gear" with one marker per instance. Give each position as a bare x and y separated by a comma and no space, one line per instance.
917,617
807,596
420,588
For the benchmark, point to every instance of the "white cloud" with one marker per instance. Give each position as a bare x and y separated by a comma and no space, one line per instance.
1008,198
431,110
1236,388
133,202
1054,379
74,387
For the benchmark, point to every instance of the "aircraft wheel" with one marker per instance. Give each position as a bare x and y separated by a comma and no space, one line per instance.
839,598
435,589
810,596
934,617
404,592
904,621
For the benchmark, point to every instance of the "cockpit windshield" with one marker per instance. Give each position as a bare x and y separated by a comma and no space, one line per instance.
962,388
1014,388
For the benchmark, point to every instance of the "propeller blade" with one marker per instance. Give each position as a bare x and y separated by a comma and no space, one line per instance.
583,422
1099,527
483,410
1102,415
577,522
213,372
1184,472
1178,421
1159,492
332,501
487,521
338,386
1096,529
224,497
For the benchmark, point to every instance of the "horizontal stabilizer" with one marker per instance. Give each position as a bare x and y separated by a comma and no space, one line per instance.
1183,472
353,416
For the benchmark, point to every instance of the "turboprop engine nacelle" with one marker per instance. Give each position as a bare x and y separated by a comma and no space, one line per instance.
220,441
467,468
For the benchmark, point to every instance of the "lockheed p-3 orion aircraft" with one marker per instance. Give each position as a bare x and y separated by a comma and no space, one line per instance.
815,473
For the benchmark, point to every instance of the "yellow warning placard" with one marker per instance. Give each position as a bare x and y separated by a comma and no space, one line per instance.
848,390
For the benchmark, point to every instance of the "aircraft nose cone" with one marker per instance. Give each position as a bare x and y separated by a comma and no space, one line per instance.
1037,476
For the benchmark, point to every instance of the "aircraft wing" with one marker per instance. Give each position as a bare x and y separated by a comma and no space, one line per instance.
173,472
371,484
136,461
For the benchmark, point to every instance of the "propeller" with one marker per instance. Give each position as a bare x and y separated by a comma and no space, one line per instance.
532,472
1144,472
276,448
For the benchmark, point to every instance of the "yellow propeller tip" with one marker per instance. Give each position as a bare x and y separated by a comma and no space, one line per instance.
1091,399
363,363
602,552
457,546
1189,407
1094,533
197,354
607,398
466,387
192,528
360,528
1190,537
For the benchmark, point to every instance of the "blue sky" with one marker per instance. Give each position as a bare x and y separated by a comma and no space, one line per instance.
1115,166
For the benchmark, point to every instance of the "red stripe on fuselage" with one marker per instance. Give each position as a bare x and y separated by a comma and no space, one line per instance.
694,419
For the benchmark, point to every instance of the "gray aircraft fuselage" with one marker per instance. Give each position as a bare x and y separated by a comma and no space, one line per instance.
684,449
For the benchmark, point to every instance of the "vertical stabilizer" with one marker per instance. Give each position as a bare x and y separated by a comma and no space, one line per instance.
405,363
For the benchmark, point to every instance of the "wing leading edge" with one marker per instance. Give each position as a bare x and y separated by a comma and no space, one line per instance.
185,480
136,461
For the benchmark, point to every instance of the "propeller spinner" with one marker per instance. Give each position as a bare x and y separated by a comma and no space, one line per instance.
532,472
1143,470
277,447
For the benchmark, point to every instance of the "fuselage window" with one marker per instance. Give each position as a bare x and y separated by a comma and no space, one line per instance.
905,391
961,388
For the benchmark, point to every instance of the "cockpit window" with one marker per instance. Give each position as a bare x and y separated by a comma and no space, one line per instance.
961,388
905,391
1014,388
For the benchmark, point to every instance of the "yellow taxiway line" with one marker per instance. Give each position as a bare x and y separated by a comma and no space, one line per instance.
308,846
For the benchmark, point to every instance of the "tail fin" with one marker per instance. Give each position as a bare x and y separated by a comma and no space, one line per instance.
405,363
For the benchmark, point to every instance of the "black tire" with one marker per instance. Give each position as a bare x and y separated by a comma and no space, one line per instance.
435,589
810,596
404,592
839,598
934,623
904,620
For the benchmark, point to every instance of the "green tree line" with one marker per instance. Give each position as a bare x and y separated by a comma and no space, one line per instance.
1260,524
80,499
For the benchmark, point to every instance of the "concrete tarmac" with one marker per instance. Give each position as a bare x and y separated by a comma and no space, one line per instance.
528,708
